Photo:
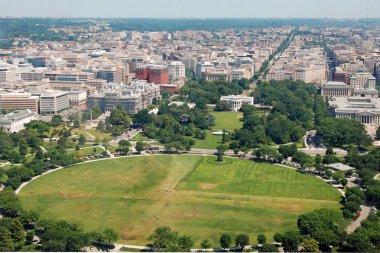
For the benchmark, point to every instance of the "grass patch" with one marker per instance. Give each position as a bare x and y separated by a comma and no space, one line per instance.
135,195
87,151
227,120
223,120
139,137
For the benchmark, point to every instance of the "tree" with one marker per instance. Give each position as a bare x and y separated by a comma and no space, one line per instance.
310,245
268,248
76,123
110,236
14,156
101,126
225,240
261,239
338,132
221,149
56,120
378,133
277,237
143,117
205,244
119,117
222,106
343,182
236,151
185,243
330,151
82,139
97,141
224,137
318,160
288,150
139,146
6,242
77,148
124,146
29,236
163,237
16,229
62,236
359,242
242,240
291,240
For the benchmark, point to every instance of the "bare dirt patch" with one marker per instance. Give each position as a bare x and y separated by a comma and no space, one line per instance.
207,186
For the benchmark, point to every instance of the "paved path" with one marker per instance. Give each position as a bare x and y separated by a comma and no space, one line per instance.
364,213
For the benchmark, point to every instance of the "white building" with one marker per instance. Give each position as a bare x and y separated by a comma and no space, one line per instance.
78,97
202,67
15,121
7,73
335,89
53,101
366,110
236,101
176,70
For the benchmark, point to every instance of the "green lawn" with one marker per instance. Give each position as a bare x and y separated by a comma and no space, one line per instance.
210,142
223,120
227,120
139,137
87,151
135,195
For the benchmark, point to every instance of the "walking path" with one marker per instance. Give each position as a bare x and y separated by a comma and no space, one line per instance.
364,213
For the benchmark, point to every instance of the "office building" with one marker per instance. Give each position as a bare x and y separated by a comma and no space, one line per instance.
176,70
53,101
19,101
7,73
111,74
133,98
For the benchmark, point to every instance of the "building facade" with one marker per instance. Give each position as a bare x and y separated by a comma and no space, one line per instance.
133,98
15,121
235,102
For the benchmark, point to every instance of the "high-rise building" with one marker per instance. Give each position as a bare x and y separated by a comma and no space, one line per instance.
7,73
158,74
177,70
53,102
111,74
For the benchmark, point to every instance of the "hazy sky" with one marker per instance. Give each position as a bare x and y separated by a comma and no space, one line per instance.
192,8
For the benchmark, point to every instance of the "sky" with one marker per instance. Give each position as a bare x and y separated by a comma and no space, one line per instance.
192,8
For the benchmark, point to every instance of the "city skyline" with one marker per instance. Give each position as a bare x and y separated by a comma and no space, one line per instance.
194,9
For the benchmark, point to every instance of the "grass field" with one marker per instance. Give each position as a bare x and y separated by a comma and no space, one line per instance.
227,120
223,120
87,151
187,193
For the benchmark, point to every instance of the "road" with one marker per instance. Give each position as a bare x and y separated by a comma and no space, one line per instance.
365,211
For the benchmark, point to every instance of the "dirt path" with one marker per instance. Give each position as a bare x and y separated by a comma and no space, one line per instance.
357,223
